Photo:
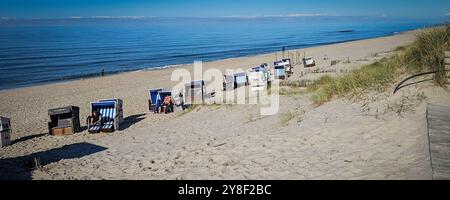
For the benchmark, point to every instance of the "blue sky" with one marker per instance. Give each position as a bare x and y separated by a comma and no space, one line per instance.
219,8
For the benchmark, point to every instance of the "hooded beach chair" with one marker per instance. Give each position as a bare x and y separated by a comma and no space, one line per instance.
111,115
153,94
286,65
194,92
177,99
240,79
228,82
256,78
266,71
309,62
279,72
5,131
160,98
64,121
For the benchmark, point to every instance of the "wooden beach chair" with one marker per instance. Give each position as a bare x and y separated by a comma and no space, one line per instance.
64,120
5,131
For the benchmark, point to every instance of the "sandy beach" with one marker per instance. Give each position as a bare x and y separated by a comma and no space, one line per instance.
377,136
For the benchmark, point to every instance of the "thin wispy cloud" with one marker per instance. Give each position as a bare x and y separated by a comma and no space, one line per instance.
119,17
110,17
448,14
286,15
310,15
249,16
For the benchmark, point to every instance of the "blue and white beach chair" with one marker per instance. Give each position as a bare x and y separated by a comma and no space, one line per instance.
153,94
112,115
280,72
282,68
240,79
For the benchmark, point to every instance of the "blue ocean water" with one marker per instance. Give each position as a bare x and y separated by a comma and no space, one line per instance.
35,52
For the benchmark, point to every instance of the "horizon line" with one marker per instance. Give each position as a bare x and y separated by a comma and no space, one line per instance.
292,15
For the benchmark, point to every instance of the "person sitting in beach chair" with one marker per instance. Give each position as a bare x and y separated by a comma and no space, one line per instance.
167,105
94,121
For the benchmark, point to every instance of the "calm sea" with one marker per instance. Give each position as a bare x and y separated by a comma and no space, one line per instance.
35,52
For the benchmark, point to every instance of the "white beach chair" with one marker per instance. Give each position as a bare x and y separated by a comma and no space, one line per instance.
283,68
194,92
309,62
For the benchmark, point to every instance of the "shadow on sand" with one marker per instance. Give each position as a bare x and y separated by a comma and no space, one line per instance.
131,120
29,137
21,167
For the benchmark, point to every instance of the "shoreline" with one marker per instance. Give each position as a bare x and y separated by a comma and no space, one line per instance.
174,66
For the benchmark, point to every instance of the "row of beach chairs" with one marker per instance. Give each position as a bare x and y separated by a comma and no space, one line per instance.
260,75
165,100
66,120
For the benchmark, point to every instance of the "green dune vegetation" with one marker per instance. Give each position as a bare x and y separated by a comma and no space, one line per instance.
425,54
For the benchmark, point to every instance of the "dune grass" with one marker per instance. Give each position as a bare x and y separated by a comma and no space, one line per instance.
376,76
425,54
285,118
290,91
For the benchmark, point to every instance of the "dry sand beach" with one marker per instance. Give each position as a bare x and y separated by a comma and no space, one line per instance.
377,136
